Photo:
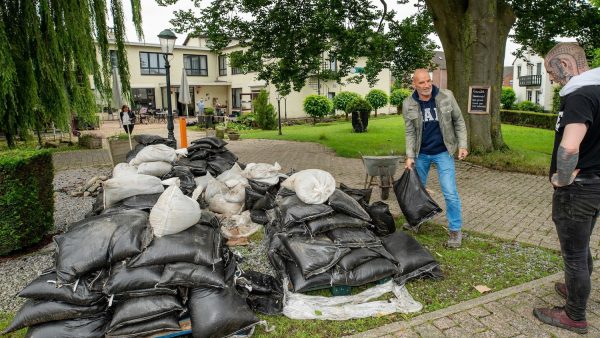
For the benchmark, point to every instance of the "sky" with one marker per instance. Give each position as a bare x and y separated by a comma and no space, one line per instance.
156,18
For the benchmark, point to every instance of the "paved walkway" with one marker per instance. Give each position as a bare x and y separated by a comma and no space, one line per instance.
507,205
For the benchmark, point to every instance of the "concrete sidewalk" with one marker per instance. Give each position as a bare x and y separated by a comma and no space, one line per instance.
507,205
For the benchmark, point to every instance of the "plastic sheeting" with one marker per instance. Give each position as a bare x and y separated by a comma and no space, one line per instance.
299,306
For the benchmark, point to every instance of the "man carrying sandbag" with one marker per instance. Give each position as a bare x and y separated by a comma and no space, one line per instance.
435,131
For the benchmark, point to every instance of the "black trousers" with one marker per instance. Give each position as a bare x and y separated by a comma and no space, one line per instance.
575,209
128,128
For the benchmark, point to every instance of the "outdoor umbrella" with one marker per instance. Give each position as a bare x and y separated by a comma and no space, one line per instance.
117,97
184,91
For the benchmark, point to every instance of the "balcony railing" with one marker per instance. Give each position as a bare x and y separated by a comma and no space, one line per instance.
530,80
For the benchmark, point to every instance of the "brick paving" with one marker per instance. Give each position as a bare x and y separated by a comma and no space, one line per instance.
507,205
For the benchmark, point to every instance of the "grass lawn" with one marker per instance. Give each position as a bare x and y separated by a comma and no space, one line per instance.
530,148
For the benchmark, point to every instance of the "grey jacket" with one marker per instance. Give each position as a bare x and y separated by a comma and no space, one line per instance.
452,123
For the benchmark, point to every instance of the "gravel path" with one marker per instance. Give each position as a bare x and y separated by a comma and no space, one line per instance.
17,272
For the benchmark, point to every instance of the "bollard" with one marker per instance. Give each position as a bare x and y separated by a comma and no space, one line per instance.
183,132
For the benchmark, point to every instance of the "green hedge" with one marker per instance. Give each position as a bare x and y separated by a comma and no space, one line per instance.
26,198
528,119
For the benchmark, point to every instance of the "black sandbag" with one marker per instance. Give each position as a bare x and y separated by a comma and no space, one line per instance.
334,221
209,219
275,253
344,203
198,154
97,241
293,210
256,201
259,217
353,237
187,184
97,206
35,312
147,139
192,275
217,166
313,256
141,202
197,167
382,221
262,187
415,260
124,281
225,155
251,196
360,256
415,202
88,327
218,312
143,309
133,153
45,288
169,322
362,196
372,271
213,142
198,244
263,293
300,284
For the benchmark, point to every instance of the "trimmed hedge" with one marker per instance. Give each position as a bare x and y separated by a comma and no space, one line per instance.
26,198
528,119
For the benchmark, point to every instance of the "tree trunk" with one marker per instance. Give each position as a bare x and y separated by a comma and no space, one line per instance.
473,34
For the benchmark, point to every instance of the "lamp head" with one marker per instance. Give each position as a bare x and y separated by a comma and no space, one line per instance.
167,41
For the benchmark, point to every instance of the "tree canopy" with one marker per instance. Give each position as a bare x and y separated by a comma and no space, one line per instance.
47,55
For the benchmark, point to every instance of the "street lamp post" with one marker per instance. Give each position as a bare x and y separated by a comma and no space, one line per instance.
279,112
167,43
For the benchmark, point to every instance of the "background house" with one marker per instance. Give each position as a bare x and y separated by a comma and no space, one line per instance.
507,76
531,82
439,76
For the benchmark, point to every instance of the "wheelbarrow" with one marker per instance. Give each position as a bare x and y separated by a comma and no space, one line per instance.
380,169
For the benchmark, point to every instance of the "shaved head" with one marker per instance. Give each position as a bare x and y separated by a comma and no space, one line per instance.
422,83
564,61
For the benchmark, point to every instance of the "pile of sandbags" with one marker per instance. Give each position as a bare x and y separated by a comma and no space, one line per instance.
321,236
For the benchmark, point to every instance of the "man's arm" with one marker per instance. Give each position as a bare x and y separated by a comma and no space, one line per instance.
410,136
567,154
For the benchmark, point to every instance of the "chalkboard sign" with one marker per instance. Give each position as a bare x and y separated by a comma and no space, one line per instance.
479,100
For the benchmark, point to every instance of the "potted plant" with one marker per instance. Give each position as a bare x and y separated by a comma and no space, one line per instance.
119,147
90,141
209,112
233,130
220,130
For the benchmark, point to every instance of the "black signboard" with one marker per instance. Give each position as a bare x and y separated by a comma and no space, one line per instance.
479,100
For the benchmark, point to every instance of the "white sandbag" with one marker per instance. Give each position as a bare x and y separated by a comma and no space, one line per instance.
261,170
121,187
171,181
157,168
313,186
181,152
155,152
201,183
173,212
299,306
219,205
235,173
124,169
239,226
270,180
214,187
235,194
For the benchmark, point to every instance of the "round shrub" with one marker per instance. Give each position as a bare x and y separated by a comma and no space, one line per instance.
341,99
358,105
529,106
397,97
317,106
26,198
377,98
508,97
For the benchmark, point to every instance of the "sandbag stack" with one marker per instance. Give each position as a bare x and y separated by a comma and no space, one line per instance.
321,236
208,155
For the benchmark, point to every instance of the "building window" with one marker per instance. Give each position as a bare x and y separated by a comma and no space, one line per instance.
144,97
529,95
333,64
538,94
236,71
236,98
195,65
222,65
114,61
152,63
518,71
539,68
530,69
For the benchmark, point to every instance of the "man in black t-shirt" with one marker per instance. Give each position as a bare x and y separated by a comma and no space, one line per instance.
575,175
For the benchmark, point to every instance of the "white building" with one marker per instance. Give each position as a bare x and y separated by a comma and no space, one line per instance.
531,82
213,80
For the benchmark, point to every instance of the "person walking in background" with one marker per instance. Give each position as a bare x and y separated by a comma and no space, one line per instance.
575,176
435,131
200,105
127,118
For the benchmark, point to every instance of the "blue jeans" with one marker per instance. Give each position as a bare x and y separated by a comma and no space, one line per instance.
444,164
575,209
